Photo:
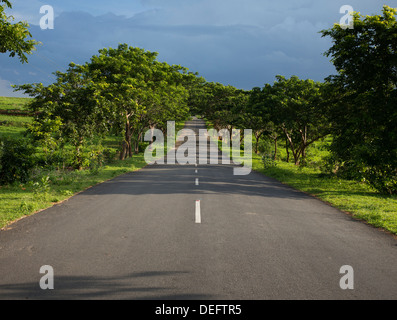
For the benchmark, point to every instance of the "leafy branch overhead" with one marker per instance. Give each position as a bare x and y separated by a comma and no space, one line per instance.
15,38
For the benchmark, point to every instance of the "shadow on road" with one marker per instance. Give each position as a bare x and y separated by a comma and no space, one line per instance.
130,286
177,179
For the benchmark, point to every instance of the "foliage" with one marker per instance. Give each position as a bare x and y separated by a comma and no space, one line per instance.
220,104
68,111
14,37
16,160
46,132
293,108
364,115
268,161
139,91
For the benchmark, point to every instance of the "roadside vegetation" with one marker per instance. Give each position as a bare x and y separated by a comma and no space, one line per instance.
47,185
356,198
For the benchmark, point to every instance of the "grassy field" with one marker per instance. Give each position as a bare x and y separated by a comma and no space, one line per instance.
12,132
7,103
13,126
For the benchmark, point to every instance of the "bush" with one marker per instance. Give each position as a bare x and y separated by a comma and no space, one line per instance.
268,160
16,160
109,155
383,179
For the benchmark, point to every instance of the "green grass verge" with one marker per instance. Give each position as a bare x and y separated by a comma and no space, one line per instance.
20,200
355,198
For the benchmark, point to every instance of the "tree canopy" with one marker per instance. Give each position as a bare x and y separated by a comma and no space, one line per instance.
364,116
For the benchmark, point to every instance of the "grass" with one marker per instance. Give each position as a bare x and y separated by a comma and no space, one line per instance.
11,132
355,198
14,121
8,103
13,126
48,188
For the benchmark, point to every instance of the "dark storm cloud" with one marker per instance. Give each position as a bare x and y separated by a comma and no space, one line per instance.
242,43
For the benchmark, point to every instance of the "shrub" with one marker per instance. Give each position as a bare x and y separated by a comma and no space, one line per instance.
268,160
109,155
16,160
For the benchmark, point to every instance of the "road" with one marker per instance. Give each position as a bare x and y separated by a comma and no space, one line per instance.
141,236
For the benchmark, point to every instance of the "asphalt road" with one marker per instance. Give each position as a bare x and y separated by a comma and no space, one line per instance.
141,236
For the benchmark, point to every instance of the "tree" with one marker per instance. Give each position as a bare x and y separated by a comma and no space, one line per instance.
220,104
14,37
295,108
170,101
74,103
364,117
141,91
257,117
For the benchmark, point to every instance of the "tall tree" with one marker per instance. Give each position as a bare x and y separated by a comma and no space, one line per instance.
365,116
296,108
140,90
258,116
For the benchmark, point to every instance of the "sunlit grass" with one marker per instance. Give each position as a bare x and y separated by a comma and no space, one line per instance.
9,103
11,131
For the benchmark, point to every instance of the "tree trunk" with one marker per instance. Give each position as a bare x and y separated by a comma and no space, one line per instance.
136,142
287,149
296,159
303,152
126,149
130,152
304,143
257,143
123,151
295,152
79,159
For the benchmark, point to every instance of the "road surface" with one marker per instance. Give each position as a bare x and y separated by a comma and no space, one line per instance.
186,232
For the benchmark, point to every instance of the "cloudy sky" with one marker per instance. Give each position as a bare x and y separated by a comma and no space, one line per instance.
244,43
